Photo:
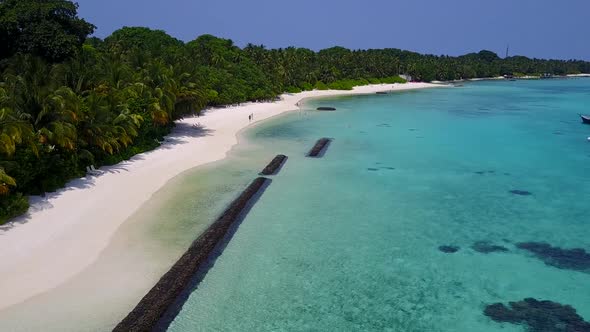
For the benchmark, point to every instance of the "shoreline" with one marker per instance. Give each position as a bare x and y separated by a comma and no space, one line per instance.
53,242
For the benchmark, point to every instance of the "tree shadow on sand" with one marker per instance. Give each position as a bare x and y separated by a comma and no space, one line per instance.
184,131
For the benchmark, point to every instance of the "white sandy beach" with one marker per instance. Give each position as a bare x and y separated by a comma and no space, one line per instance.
66,231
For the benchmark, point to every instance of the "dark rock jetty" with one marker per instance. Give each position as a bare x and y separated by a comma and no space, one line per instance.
275,165
319,148
156,302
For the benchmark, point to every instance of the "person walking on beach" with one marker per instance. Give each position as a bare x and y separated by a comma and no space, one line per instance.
250,118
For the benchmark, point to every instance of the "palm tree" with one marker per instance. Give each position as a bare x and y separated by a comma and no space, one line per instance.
13,131
6,181
14,127
107,122
58,118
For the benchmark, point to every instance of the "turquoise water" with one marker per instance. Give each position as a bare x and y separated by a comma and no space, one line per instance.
349,242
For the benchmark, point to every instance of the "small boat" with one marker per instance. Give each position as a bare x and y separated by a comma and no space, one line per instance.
585,119
323,108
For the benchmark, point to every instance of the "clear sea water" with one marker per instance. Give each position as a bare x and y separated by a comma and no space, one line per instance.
349,242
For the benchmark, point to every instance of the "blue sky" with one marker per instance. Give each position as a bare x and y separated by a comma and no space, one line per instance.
535,28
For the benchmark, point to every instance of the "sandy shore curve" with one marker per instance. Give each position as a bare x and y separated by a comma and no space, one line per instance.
64,232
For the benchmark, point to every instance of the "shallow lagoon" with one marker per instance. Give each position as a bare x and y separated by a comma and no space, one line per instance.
350,241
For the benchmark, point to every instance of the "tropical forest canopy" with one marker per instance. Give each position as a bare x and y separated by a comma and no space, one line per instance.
68,101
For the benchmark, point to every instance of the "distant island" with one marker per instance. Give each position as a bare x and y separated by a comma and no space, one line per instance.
70,102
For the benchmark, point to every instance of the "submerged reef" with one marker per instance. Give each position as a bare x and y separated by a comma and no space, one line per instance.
520,192
449,249
539,316
484,172
572,259
487,247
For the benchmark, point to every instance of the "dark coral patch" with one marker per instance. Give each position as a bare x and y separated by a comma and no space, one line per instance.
448,249
539,316
389,168
520,192
572,259
486,247
480,172
372,169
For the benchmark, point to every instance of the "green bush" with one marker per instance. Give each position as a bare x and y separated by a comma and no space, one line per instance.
361,81
48,171
342,85
306,86
393,79
12,206
348,84
351,83
292,89
321,85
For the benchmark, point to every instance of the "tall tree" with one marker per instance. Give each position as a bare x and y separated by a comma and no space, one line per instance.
50,29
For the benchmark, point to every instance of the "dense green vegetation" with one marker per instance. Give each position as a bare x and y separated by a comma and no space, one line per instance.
68,101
